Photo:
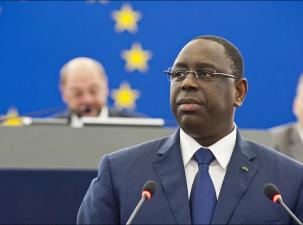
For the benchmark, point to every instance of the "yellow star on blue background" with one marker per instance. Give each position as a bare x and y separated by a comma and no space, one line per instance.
126,19
136,58
125,97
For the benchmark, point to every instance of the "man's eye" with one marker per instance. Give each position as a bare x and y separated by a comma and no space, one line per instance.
77,94
205,73
179,73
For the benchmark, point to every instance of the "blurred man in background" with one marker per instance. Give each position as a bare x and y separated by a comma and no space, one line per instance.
288,138
84,88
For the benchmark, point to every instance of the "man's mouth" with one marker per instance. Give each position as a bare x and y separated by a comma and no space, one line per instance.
189,104
85,109
189,100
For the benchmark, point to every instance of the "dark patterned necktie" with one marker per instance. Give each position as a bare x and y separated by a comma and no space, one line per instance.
203,195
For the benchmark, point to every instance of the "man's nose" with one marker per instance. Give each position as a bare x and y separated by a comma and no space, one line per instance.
86,98
190,82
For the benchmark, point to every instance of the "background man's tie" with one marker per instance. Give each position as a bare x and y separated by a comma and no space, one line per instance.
203,195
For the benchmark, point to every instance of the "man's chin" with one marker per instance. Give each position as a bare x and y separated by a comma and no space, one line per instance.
192,124
190,118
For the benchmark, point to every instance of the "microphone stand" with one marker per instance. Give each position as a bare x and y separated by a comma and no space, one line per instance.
280,201
130,220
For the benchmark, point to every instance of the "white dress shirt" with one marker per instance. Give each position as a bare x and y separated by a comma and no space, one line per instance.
222,151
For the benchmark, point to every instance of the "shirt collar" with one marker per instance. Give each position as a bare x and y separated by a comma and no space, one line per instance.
222,149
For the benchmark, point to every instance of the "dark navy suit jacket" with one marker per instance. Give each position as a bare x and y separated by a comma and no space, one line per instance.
113,195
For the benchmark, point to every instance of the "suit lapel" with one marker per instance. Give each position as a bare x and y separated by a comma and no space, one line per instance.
241,171
172,177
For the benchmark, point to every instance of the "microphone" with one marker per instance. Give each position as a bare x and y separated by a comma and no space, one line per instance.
81,111
85,109
273,193
148,191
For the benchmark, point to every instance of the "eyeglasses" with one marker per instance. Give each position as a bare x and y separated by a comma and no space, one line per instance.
205,74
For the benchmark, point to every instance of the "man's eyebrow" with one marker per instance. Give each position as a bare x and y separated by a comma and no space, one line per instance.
203,65
75,89
180,64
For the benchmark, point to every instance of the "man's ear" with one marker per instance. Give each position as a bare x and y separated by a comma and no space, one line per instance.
241,90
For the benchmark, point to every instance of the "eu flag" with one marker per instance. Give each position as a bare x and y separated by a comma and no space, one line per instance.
137,40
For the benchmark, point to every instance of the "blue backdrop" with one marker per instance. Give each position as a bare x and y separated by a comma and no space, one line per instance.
38,37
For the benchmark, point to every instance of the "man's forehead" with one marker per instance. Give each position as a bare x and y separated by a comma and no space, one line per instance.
202,52
77,87
85,83
203,46
84,76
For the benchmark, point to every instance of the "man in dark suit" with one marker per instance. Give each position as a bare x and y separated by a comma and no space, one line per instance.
84,88
288,138
207,85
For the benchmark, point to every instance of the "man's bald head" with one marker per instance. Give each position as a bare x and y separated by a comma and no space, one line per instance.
80,65
84,87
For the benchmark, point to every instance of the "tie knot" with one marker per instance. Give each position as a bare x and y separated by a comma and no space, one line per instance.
204,156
